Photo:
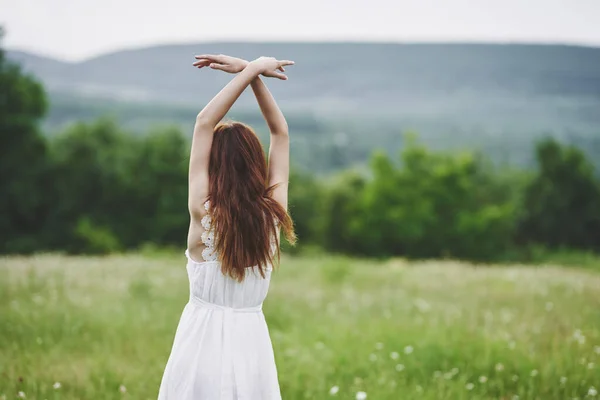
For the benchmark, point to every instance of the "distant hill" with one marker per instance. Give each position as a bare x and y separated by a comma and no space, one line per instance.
339,74
466,95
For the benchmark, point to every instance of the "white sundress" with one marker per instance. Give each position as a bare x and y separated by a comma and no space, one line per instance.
222,349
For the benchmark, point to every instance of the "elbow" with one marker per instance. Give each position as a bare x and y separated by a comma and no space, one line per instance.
196,212
202,122
280,133
281,130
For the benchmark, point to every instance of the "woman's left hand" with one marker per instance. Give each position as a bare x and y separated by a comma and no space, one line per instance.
221,62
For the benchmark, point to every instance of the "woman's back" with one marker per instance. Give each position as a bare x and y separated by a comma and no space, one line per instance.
208,283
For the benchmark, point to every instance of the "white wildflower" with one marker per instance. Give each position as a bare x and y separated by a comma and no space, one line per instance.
122,389
378,346
21,395
534,372
394,355
419,388
499,367
454,371
578,336
408,350
469,386
482,379
592,392
56,385
422,305
334,390
361,395
597,349
373,357
563,380
399,367
515,378
591,365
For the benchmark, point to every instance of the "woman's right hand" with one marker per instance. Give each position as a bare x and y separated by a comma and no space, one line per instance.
271,67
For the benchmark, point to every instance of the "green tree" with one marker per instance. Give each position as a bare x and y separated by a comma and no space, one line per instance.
305,199
341,214
117,191
24,181
562,202
92,172
160,189
433,205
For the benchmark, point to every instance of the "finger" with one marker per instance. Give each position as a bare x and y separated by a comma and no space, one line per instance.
220,67
203,63
281,69
211,57
279,75
283,63
206,56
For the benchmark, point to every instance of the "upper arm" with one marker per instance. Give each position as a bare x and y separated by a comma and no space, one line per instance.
279,167
198,172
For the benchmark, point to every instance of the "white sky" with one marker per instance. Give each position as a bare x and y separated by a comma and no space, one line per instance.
77,29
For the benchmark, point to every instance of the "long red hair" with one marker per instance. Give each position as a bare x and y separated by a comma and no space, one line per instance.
244,214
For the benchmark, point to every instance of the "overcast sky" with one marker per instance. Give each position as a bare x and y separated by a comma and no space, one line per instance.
77,29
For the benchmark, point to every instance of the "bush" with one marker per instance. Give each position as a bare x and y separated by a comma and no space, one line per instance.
94,239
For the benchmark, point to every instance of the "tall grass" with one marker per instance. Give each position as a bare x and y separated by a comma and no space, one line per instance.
101,328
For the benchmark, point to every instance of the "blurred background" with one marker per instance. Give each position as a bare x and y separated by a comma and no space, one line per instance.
420,130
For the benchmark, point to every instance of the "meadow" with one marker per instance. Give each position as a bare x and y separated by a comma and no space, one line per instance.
102,327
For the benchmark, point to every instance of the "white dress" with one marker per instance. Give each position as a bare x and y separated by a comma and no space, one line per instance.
222,349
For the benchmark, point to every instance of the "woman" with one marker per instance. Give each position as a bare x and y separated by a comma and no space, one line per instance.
222,349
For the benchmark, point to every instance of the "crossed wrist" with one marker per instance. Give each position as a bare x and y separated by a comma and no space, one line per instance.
254,67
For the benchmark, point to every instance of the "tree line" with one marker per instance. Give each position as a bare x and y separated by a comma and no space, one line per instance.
95,188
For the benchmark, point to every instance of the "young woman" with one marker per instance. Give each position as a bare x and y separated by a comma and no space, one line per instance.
222,349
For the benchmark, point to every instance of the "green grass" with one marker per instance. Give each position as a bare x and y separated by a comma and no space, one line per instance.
103,327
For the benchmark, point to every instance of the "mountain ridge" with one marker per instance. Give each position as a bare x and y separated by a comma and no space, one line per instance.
499,97
134,48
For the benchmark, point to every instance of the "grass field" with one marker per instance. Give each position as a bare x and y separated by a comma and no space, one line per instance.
101,328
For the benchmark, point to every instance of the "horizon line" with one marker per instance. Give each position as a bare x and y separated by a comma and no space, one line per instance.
496,42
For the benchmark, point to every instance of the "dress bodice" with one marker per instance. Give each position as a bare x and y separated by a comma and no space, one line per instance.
210,285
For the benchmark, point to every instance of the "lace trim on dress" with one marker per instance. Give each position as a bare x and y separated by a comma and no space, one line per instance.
208,236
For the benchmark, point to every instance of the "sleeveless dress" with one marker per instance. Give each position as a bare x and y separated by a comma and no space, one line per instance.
222,349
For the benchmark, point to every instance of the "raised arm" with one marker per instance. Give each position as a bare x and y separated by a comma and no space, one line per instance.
279,157
206,121
279,149
202,138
